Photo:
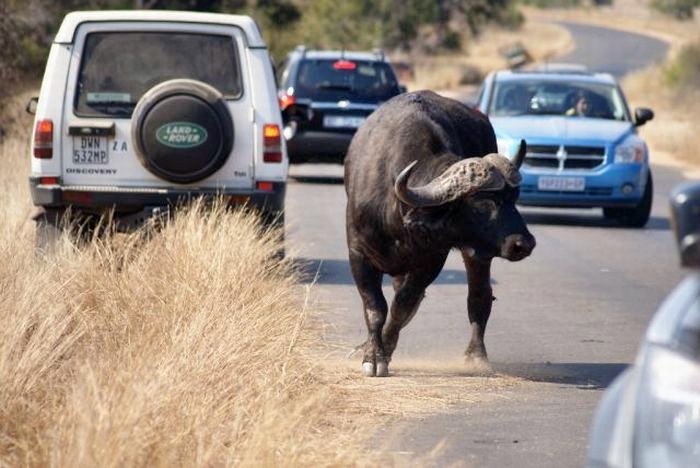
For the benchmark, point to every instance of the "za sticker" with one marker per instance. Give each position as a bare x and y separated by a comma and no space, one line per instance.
181,134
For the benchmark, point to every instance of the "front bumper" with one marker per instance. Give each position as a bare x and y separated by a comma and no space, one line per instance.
612,186
321,146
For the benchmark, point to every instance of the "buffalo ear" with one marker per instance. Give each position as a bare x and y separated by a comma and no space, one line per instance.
520,156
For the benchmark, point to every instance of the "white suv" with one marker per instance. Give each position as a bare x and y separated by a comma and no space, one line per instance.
141,110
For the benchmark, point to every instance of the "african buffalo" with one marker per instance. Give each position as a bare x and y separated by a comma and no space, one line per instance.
422,177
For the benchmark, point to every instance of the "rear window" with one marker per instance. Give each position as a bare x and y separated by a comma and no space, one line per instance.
117,68
325,79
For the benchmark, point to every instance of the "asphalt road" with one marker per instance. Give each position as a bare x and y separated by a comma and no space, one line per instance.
567,320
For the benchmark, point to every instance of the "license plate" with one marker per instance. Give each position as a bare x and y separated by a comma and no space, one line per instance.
90,150
342,121
561,184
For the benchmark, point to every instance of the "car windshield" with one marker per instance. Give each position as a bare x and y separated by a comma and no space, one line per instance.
119,67
323,79
566,98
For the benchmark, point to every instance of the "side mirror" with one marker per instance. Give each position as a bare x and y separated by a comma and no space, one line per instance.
685,218
32,105
642,115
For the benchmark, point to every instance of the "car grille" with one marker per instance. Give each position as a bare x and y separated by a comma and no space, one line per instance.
565,157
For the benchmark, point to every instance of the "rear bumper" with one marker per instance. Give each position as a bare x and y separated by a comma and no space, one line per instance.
142,202
308,146
614,186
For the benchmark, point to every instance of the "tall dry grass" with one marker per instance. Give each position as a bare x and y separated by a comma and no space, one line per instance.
190,347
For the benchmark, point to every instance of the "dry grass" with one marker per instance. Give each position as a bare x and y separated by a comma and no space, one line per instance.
189,347
446,72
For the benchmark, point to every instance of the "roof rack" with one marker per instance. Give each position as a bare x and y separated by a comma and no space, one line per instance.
559,67
379,53
301,48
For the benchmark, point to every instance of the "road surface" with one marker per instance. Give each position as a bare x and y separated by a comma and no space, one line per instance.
566,321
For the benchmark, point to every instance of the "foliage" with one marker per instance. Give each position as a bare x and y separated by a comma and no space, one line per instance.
27,27
679,9
552,3
684,72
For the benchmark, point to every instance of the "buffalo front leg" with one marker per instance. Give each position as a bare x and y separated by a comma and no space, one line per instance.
369,283
479,300
409,291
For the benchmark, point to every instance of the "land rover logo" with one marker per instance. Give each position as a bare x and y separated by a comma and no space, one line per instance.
181,134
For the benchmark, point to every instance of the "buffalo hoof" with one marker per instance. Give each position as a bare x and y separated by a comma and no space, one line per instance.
370,370
477,365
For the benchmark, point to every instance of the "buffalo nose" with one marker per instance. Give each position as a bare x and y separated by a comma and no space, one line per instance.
518,246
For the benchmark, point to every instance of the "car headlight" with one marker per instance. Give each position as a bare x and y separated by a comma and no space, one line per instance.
629,151
667,428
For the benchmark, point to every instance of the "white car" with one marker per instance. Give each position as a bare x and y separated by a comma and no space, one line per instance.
650,415
141,110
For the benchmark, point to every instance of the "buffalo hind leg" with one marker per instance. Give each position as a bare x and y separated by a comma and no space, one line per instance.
479,300
369,283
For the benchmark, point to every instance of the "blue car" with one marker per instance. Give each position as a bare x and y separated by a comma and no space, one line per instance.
583,147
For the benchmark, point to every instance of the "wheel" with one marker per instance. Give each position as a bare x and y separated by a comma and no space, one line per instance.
47,235
182,130
53,223
638,216
274,221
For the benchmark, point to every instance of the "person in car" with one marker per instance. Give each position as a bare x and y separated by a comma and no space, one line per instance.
580,107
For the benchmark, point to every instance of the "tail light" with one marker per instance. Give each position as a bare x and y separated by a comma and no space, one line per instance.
265,186
43,139
272,143
344,65
286,100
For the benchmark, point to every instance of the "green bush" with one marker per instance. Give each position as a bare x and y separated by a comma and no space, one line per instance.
679,9
552,3
684,72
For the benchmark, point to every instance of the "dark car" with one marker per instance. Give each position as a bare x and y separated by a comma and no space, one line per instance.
650,415
326,95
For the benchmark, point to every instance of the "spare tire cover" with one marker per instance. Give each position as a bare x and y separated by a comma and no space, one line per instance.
182,130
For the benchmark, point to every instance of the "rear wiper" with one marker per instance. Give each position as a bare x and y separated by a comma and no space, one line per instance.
112,107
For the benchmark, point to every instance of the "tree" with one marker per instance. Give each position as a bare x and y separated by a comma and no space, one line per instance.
679,9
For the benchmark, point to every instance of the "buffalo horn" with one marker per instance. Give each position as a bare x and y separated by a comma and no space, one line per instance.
460,179
507,168
520,156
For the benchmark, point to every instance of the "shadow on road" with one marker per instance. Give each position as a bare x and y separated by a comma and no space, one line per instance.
337,272
587,376
318,179
589,220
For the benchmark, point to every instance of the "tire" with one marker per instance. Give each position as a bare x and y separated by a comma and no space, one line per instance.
182,130
274,221
81,228
47,236
638,216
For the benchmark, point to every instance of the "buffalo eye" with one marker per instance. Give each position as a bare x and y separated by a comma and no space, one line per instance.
485,207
